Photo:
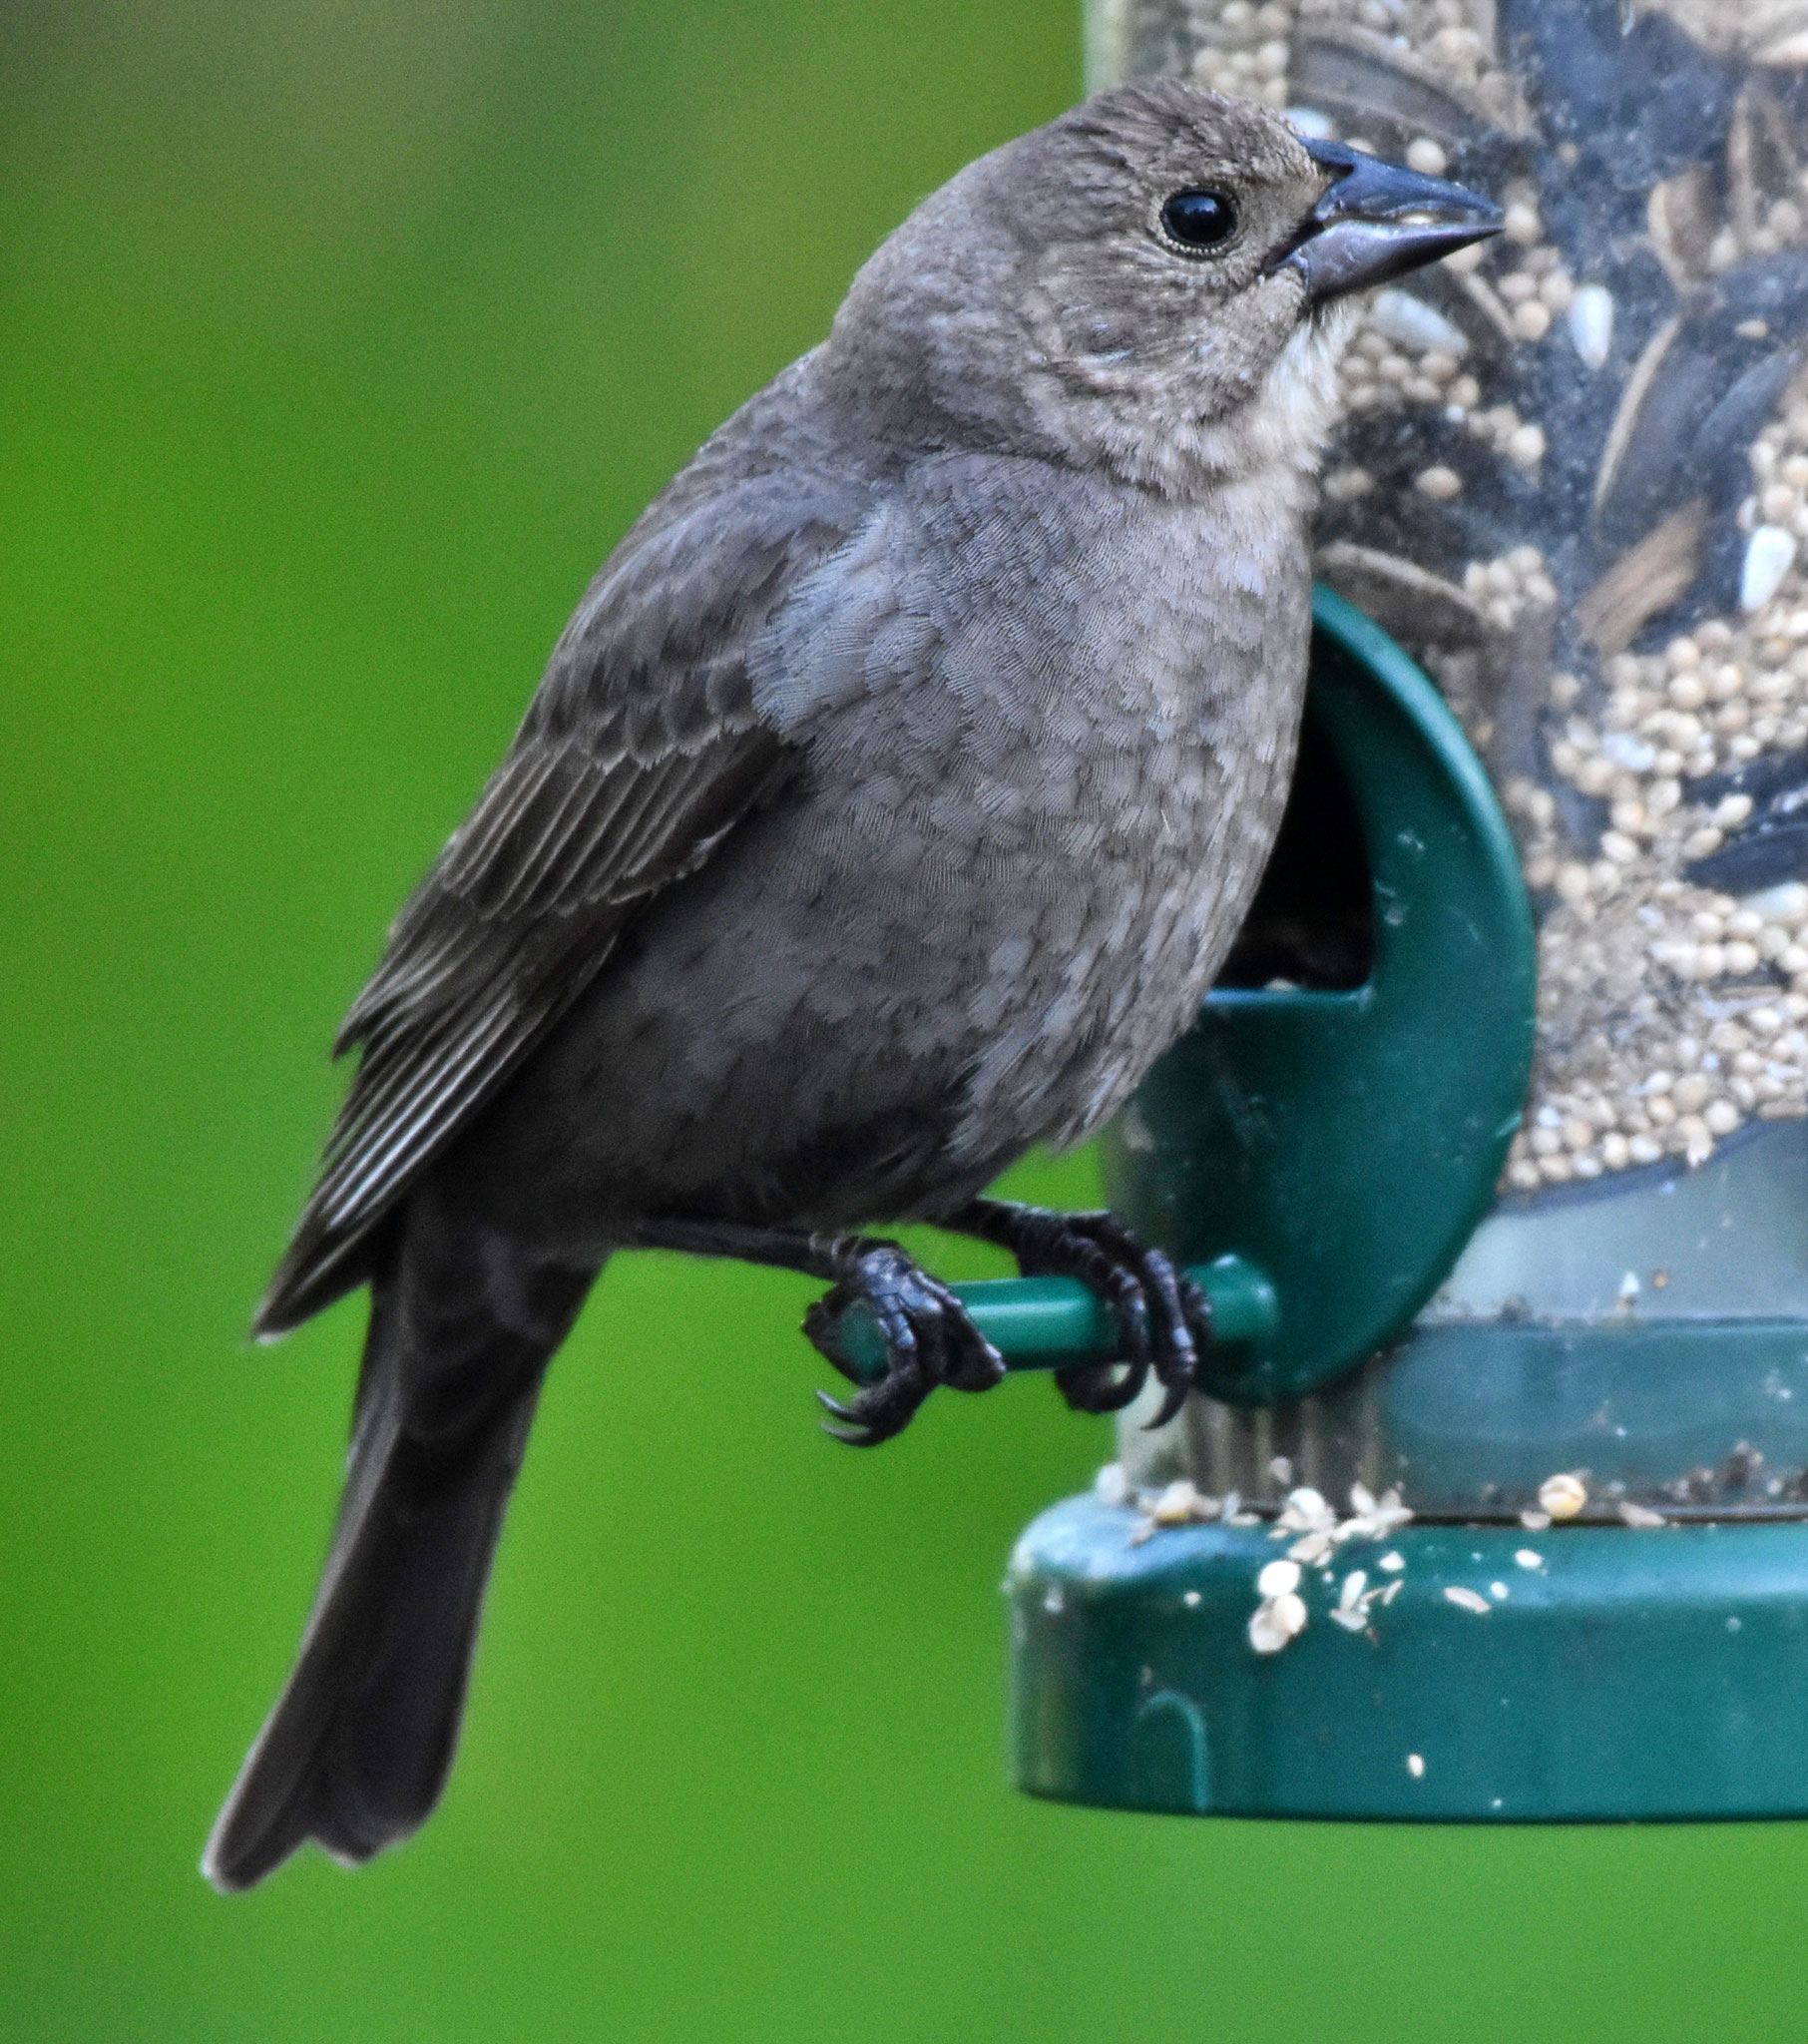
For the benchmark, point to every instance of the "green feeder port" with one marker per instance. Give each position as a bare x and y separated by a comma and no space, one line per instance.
1325,1156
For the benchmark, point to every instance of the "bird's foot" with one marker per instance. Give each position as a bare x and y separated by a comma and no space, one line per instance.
1163,1319
929,1341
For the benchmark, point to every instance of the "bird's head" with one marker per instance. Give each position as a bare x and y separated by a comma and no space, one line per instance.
1155,283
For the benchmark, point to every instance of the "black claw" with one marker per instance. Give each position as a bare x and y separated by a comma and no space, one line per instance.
1164,1319
880,1412
929,1341
1170,1405
853,1434
1097,1388
1189,1319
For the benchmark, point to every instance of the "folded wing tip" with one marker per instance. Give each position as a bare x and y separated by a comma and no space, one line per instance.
317,1267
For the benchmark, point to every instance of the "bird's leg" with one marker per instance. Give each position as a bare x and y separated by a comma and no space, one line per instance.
1163,1319
929,1339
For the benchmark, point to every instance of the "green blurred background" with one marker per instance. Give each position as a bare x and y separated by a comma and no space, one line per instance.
336,346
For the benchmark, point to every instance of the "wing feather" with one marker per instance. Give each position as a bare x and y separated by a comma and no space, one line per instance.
639,755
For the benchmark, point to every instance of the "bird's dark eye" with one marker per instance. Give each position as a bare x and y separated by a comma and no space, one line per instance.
1201,220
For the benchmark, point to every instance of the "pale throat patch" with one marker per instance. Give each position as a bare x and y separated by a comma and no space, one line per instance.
1301,389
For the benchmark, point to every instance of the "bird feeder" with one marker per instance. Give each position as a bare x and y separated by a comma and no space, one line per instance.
1490,1151
1572,483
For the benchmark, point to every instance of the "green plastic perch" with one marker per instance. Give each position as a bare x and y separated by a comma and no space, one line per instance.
1049,1322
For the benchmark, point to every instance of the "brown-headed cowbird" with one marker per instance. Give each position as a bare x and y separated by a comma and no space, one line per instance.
886,808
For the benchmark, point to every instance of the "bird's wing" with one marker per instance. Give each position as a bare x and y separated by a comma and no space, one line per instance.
641,752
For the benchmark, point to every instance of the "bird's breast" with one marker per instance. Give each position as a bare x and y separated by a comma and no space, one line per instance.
1122,867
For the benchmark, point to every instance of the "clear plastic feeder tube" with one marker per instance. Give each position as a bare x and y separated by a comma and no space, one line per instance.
1572,482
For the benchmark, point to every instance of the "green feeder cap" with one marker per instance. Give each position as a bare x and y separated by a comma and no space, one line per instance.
1583,1672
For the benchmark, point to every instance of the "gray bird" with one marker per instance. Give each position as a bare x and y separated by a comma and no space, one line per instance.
886,808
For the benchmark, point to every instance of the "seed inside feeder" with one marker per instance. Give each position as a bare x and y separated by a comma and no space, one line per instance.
1769,556
1621,507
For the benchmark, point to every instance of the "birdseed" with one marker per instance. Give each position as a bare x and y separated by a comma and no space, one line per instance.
1275,1621
1560,1497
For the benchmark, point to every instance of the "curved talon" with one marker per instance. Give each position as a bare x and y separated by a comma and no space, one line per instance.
878,1413
929,1341
844,1413
1192,1324
855,1433
1170,1407
1096,1387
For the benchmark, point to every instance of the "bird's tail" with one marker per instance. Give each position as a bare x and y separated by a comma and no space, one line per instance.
358,1749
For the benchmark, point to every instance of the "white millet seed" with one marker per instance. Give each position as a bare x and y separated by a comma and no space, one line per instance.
1591,323
1563,1496
1557,291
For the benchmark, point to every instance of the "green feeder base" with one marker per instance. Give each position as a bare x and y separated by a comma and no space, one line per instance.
1614,1673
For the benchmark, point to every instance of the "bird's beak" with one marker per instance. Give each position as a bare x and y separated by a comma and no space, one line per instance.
1377,221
